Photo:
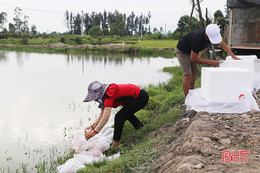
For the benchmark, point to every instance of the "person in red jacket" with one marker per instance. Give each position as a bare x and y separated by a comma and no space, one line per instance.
109,96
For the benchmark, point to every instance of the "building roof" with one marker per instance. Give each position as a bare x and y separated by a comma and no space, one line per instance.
242,3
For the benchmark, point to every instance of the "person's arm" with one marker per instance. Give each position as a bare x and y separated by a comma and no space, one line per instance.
104,118
98,119
195,58
92,127
224,46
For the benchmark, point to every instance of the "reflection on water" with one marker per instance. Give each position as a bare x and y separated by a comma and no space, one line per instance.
41,98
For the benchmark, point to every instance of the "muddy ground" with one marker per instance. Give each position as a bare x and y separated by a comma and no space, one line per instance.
199,143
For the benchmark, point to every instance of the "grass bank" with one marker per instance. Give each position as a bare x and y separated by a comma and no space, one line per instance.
92,49
164,48
158,43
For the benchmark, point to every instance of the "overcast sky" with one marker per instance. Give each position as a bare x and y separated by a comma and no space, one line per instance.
48,15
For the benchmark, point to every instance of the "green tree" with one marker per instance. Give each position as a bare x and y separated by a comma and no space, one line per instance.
155,30
95,31
20,21
11,28
185,25
118,23
105,32
71,23
77,24
220,20
118,28
147,22
33,29
67,20
24,27
87,23
3,19
104,20
17,19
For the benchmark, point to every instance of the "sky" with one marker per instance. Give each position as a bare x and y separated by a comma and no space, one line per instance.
48,15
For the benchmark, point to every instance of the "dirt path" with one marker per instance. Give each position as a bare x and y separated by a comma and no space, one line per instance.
199,143
107,46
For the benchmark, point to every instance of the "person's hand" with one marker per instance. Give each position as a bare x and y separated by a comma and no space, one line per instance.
213,63
236,58
89,135
87,129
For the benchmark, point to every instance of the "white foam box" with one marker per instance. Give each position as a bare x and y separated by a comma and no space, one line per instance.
225,85
243,57
250,64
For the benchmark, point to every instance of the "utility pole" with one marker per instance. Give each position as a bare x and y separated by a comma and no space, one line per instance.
141,25
82,25
230,27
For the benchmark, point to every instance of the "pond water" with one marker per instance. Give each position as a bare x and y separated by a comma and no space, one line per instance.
41,99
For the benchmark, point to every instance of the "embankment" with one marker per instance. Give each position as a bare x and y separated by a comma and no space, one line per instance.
200,141
88,48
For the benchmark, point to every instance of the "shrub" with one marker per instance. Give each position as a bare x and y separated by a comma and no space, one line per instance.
87,37
63,39
25,40
78,40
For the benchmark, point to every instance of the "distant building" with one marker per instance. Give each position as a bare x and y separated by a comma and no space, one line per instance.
244,26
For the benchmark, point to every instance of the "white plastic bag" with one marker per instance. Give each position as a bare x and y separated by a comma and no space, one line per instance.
194,101
95,146
79,143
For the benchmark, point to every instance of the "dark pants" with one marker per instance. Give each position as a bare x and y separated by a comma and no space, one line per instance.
127,113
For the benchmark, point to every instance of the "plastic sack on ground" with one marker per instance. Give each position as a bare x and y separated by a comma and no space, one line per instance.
194,101
95,146
79,143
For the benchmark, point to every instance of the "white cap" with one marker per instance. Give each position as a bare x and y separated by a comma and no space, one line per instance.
213,32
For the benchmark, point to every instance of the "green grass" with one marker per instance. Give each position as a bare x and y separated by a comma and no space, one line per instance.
129,161
158,43
146,47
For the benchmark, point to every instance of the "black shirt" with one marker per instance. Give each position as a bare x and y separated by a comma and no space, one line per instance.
194,41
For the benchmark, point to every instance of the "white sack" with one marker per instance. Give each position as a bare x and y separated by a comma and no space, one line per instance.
95,146
194,101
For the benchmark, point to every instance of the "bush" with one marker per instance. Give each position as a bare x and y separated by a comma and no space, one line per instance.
157,36
25,40
153,104
87,37
95,31
78,40
63,39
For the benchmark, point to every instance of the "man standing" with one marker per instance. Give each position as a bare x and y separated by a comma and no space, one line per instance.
188,49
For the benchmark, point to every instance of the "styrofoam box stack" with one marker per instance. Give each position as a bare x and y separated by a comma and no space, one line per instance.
225,85
250,63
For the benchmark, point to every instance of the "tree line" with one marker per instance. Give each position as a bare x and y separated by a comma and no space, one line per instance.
108,23
19,25
112,23
187,24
